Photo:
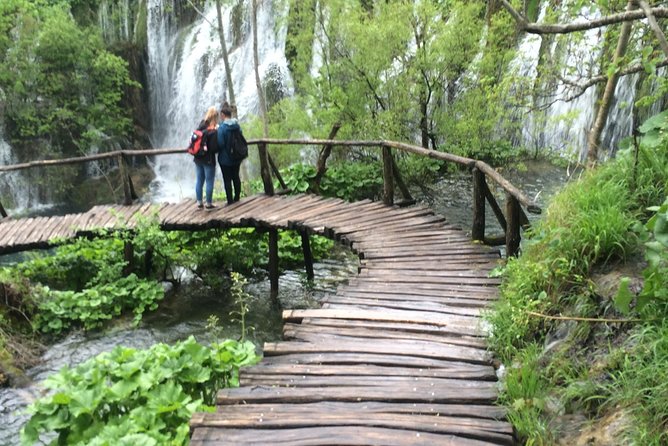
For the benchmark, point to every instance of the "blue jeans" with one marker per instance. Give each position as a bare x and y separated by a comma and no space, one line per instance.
205,173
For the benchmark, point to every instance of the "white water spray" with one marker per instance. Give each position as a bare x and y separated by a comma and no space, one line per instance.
187,75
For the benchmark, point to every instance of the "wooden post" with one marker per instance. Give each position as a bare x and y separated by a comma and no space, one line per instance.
478,229
388,180
125,179
273,262
276,172
308,256
265,172
408,199
128,256
3,213
148,261
513,222
495,207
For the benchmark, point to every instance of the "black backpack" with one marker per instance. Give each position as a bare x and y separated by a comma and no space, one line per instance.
238,145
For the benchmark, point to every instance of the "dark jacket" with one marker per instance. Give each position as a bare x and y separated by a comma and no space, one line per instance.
211,145
224,129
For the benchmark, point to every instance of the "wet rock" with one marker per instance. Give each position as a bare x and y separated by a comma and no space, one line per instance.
559,336
576,430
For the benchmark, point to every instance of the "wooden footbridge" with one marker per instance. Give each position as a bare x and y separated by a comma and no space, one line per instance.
396,357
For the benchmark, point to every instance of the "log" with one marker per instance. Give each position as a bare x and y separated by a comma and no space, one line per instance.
273,262
478,228
265,169
513,229
308,256
388,179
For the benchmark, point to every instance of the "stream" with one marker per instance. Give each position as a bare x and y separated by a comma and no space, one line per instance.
185,310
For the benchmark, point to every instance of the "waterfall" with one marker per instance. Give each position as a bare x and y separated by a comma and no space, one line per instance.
187,75
16,194
555,124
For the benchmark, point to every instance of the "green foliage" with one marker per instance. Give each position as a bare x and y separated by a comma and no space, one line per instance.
59,311
350,181
640,384
60,83
130,396
524,394
655,285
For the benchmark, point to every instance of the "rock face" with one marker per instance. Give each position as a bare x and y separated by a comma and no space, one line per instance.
608,431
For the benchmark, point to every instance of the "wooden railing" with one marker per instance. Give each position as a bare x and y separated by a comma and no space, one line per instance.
512,220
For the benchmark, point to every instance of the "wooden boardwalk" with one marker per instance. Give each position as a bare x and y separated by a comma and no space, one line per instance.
396,357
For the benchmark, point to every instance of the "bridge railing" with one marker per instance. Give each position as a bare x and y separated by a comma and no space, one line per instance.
511,221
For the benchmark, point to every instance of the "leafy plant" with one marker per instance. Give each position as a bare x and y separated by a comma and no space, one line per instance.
130,396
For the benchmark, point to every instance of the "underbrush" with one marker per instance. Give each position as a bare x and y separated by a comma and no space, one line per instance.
569,349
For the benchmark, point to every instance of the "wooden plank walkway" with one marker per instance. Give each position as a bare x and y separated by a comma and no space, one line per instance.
396,357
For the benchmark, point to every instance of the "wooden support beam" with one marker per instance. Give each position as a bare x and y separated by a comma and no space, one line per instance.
400,183
125,179
3,213
265,169
148,261
495,207
273,262
478,228
128,256
308,256
513,229
276,172
388,178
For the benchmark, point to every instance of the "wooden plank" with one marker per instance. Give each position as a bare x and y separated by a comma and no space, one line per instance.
451,370
483,412
399,347
364,359
453,299
315,334
388,316
482,429
312,436
336,301
409,327
483,392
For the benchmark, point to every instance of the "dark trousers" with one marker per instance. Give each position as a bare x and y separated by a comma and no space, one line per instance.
230,177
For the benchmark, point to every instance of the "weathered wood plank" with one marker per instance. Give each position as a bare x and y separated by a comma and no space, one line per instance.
312,436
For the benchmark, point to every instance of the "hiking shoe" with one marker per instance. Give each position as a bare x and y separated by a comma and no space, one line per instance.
210,206
200,205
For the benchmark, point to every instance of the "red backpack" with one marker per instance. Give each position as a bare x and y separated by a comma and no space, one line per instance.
197,146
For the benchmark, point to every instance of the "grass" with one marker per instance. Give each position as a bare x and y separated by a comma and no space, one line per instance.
595,369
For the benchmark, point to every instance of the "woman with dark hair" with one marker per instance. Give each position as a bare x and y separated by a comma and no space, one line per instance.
206,164
228,166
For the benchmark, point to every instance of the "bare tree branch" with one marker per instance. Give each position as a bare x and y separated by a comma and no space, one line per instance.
660,36
604,78
538,28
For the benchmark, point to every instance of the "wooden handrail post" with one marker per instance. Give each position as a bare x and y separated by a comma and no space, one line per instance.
513,225
276,171
265,172
400,182
125,179
478,229
388,177
3,213
308,256
128,256
273,263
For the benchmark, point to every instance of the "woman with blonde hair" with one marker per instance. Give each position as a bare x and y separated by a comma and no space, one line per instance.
206,163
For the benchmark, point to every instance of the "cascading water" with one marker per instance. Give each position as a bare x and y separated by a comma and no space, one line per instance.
187,75
15,190
556,124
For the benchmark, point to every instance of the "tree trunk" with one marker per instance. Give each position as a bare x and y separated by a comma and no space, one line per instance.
321,166
594,137
256,66
226,60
